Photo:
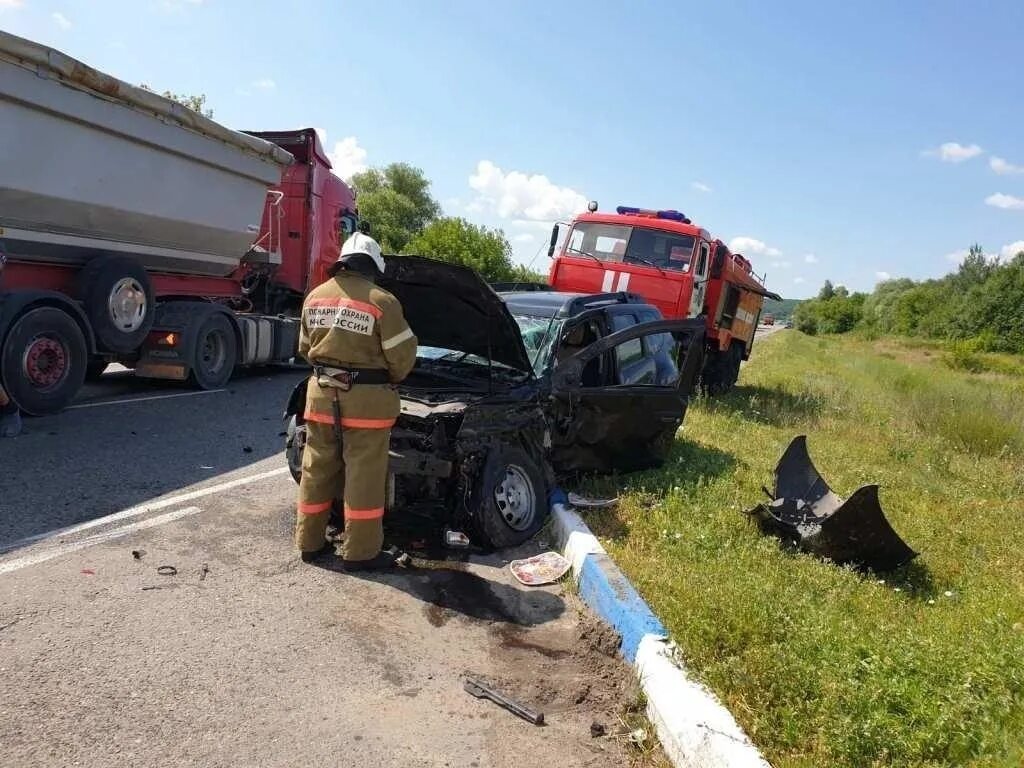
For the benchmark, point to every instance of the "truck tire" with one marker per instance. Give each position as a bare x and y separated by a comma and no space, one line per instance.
43,361
215,353
715,377
513,498
118,301
735,361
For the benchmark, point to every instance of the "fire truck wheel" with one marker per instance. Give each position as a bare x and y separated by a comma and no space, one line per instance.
215,353
118,301
715,376
735,361
43,360
512,496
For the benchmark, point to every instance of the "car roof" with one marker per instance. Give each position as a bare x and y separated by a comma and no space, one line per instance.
565,304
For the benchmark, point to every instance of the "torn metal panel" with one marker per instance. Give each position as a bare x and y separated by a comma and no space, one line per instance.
806,511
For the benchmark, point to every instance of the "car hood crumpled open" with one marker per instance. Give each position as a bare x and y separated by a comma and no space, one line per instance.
451,307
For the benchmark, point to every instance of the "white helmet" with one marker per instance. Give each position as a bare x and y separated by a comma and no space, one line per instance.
360,244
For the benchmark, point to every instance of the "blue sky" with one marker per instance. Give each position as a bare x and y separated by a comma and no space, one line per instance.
839,140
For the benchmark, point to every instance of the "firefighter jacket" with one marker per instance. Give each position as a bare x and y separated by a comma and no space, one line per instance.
349,322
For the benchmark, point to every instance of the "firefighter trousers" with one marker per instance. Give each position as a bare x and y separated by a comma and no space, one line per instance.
355,471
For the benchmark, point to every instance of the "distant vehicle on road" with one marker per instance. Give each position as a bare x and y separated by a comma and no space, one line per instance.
508,387
675,265
768,319
141,232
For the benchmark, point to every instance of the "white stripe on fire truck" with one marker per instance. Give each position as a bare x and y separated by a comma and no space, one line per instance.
606,284
623,281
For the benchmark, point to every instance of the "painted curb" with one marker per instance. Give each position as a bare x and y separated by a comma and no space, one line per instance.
695,730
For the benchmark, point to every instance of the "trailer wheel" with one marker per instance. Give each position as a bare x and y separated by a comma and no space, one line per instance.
513,503
118,301
215,353
43,361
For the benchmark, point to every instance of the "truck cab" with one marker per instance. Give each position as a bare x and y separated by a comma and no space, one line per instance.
675,265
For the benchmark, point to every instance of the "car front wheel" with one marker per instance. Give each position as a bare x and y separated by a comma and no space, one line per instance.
513,503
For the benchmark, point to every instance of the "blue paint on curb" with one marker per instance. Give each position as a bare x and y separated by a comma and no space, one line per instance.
608,592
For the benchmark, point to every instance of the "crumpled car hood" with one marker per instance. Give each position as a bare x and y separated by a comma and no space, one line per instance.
451,307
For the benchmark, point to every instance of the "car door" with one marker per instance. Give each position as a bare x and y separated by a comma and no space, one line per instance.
700,279
630,423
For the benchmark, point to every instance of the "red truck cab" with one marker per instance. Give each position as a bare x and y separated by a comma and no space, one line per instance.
674,264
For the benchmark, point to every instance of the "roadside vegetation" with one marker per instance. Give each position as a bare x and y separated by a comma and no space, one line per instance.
980,307
822,665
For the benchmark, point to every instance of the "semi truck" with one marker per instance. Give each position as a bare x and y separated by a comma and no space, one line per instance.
138,231
677,266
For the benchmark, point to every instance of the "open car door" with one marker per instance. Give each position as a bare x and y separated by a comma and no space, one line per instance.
629,423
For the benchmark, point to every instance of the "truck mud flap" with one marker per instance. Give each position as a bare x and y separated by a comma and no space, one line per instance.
805,511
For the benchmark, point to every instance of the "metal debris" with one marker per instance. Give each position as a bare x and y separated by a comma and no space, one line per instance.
805,510
482,691
167,570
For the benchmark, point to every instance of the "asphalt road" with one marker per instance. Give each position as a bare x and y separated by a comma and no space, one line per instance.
246,656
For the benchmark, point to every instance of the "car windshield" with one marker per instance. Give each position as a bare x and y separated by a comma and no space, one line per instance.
632,245
455,356
539,334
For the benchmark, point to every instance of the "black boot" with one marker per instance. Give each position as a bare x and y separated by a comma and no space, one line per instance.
326,549
382,561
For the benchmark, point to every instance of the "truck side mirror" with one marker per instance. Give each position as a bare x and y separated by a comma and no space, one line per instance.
554,241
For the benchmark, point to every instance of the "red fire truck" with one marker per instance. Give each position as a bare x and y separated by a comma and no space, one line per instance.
674,264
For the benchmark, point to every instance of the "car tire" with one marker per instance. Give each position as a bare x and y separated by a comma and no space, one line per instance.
43,361
118,300
512,498
215,353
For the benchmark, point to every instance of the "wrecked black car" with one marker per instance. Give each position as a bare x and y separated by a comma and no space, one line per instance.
511,390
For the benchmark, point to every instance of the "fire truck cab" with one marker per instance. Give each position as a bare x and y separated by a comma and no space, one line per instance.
674,264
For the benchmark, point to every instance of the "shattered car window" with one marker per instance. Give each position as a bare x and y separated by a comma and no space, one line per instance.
539,334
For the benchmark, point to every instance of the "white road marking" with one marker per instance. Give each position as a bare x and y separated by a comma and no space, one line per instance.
63,549
143,509
144,399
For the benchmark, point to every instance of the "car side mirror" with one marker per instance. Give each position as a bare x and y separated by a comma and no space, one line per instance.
553,242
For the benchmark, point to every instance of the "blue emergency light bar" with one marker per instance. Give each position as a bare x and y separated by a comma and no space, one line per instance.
671,215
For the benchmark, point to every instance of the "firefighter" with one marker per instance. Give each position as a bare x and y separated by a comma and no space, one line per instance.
357,340
10,418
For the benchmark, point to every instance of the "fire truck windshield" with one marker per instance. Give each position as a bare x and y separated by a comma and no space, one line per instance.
632,245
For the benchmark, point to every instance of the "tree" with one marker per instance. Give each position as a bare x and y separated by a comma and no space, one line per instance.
397,203
457,241
197,103
827,290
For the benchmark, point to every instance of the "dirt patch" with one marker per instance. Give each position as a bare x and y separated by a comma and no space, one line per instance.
565,670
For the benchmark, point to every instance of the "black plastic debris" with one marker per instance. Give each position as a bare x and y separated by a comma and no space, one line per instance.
807,512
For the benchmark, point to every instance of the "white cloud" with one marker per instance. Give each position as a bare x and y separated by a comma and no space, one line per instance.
321,134
956,256
264,84
11,5
523,237
750,246
516,195
700,186
540,226
781,264
1004,168
61,20
348,158
810,258
799,280
1010,250
1006,202
883,275
952,152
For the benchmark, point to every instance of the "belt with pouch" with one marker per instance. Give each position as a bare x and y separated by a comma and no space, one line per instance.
346,378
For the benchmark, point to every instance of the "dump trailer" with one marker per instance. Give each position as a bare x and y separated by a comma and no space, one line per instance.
139,231
674,264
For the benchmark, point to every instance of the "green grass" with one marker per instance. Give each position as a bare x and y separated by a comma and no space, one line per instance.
824,666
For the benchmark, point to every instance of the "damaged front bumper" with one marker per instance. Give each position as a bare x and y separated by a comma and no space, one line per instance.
805,511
